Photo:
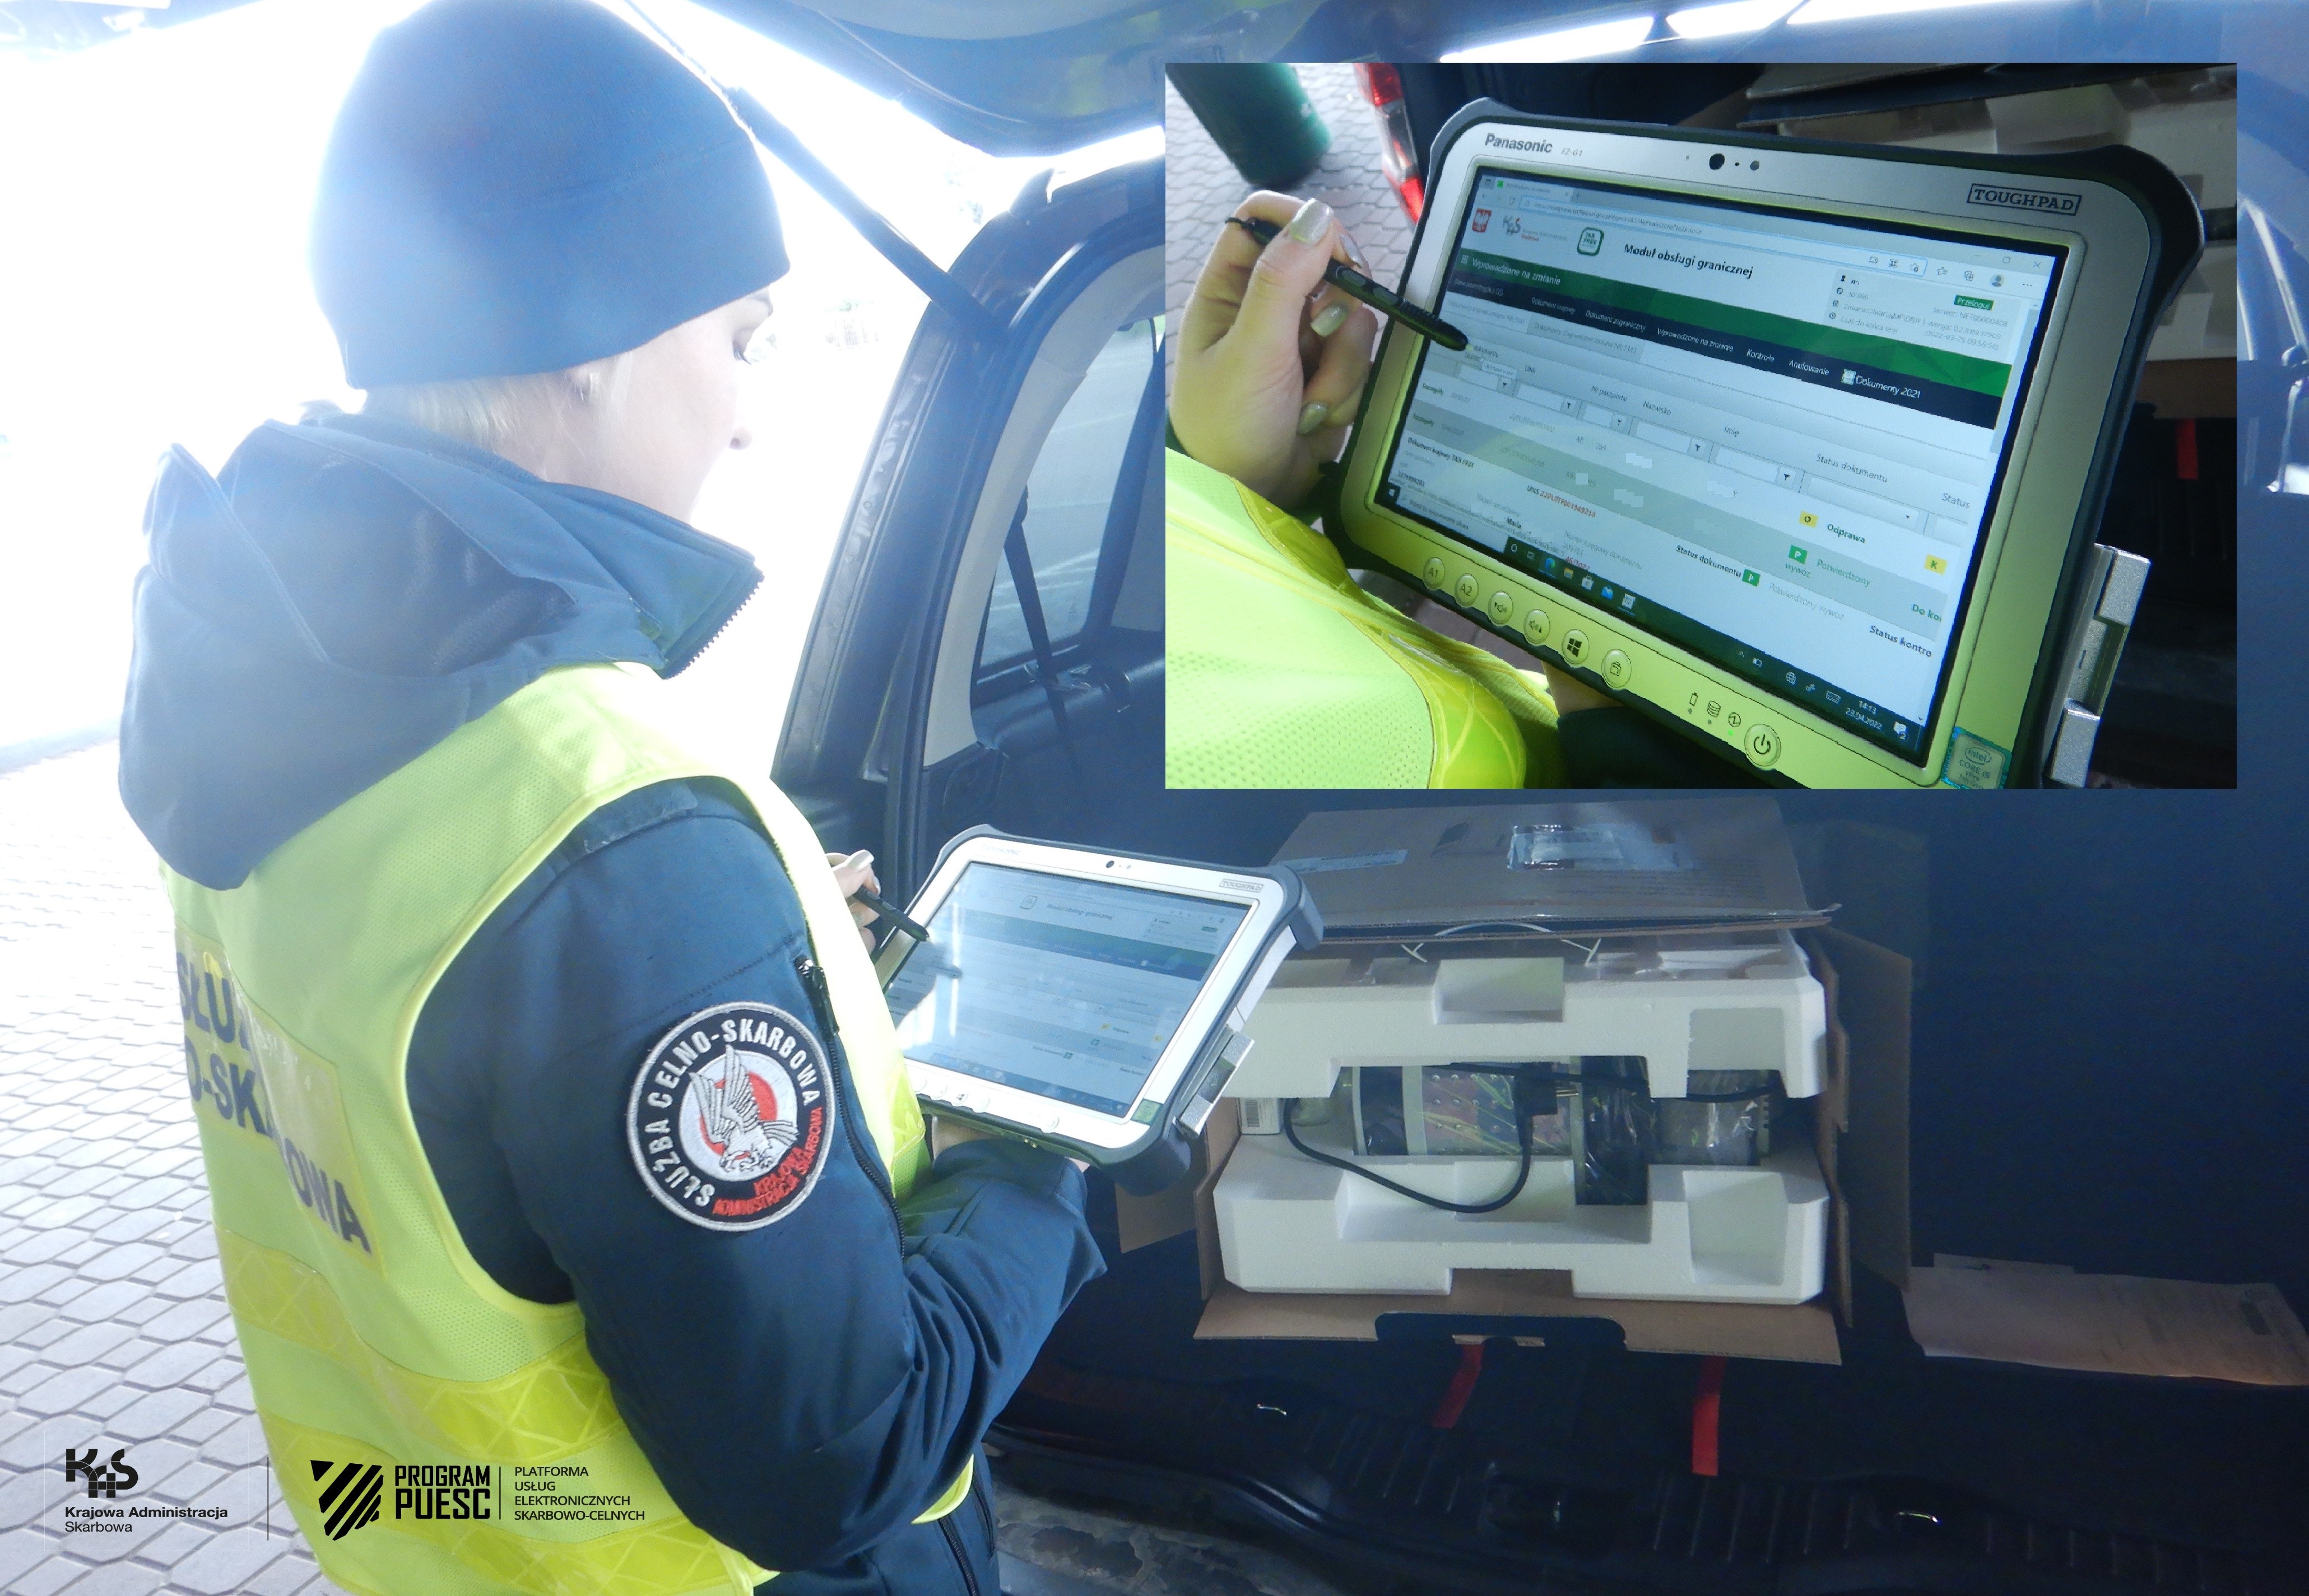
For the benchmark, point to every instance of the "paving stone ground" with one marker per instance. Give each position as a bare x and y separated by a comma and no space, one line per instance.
113,1328
1203,188
114,1331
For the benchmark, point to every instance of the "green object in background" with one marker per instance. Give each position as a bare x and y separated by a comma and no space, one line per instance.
1259,115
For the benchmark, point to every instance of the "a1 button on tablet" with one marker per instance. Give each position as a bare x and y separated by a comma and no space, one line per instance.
1432,574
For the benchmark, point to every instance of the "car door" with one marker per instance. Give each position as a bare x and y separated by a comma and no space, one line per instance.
987,645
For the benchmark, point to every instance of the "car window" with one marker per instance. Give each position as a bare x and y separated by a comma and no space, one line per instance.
1069,498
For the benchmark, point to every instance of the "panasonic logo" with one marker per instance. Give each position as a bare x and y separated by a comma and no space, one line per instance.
1492,140
2023,199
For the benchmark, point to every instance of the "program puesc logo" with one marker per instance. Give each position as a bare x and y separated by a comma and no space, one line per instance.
350,1499
355,1496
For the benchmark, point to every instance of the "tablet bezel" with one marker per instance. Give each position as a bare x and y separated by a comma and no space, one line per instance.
1095,1133
1996,687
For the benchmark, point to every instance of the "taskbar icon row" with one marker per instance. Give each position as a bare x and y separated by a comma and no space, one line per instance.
1783,679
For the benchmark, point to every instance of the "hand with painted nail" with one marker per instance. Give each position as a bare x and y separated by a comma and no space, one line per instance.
1271,357
852,871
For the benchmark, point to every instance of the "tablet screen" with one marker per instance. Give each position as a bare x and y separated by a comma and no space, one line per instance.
1770,438
1069,990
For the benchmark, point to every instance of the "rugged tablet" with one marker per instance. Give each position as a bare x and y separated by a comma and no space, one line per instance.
1797,446
1093,1001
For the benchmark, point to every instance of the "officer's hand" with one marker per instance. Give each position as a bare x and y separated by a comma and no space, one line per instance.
1571,693
952,1133
850,872
1270,369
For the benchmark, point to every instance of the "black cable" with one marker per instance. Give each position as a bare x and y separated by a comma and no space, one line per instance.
1523,1139
1524,1077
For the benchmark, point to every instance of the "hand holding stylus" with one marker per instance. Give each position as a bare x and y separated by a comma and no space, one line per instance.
1272,358
853,872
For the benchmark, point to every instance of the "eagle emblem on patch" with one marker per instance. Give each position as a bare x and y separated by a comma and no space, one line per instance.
731,1117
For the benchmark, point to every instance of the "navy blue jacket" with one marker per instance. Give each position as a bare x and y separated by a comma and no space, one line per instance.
341,597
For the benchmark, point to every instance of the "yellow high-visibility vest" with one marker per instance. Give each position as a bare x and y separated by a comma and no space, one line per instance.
1280,671
373,1340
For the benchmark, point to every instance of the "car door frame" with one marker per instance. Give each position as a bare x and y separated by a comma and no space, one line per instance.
849,752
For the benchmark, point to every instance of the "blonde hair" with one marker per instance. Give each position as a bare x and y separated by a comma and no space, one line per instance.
487,412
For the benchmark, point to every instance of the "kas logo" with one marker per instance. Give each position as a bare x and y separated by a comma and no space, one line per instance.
2023,199
111,1478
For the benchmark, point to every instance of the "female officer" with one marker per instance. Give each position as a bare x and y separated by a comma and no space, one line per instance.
574,1209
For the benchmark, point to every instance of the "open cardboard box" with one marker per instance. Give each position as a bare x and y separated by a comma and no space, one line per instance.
1862,1126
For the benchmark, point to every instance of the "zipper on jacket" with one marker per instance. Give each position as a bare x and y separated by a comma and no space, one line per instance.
961,1556
821,1002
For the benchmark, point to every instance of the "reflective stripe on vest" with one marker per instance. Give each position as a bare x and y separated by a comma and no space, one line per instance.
1281,672
373,1340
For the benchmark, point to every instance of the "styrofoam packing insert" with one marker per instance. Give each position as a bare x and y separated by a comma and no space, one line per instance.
1744,1002
1287,1223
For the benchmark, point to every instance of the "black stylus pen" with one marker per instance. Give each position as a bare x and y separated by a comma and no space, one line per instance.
883,906
1356,286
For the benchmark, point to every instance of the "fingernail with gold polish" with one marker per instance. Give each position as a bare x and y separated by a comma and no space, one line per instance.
1328,319
1313,417
1314,220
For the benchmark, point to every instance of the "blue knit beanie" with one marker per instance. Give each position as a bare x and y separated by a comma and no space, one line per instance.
523,185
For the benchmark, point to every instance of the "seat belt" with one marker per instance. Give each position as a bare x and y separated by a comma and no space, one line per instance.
943,288
1038,632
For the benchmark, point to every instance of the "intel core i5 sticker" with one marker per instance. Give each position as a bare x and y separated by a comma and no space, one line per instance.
1974,762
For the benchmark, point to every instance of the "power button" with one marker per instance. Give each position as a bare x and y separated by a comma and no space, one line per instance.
1763,745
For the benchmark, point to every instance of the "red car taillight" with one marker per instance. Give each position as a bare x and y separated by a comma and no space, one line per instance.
1383,87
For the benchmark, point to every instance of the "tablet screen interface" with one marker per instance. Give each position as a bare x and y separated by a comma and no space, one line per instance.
1770,438
1069,990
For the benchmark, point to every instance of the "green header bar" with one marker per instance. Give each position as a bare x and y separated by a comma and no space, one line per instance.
1890,353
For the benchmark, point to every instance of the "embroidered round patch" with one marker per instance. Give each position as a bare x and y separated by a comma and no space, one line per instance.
732,1116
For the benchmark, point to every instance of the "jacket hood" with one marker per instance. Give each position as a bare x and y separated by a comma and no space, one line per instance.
345,594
